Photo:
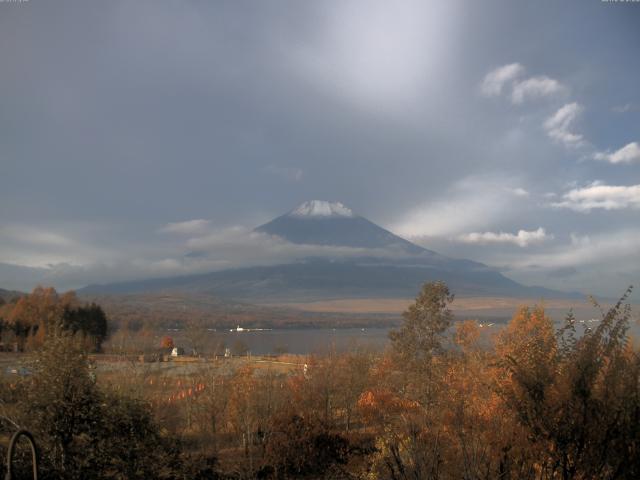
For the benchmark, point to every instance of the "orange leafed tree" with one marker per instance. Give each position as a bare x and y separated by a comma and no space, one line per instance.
167,342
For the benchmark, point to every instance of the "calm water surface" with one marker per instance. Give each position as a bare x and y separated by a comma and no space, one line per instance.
305,341
323,340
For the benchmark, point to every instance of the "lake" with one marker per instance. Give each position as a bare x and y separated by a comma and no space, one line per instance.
322,340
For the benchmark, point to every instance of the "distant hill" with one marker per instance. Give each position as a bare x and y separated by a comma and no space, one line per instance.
395,268
322,279
8,295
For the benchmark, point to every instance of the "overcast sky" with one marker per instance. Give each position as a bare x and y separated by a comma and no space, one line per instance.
133,132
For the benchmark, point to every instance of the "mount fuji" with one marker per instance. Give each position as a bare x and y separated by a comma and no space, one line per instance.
318,222
382,265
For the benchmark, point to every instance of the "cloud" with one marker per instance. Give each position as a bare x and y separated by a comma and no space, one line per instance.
35,236
40,246
290,174
189,227
587,250
630,153
495,80
232,247
599,196
563,272
558,126
382,55
534,88
229,91
239,246
523,238
472,202
518,192
601,263
627,107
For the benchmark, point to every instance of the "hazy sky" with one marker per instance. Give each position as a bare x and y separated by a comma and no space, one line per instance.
505,132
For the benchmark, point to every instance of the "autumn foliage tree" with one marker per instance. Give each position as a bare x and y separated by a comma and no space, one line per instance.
303,448
578,397
32,316
446,400
166,342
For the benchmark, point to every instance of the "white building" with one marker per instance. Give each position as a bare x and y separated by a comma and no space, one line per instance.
177,352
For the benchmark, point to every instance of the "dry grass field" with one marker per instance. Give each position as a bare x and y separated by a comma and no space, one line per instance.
462,306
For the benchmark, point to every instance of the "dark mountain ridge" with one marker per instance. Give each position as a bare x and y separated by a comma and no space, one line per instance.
9,295
397,269
323,223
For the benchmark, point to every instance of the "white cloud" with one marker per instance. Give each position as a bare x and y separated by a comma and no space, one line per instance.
41,246
630,153
495,80
384,55
534,88
472,202
587,250
35,236
597,195
580,240
518,192
602,263
189,227
239,246
559,125
523,238
232,247
495,83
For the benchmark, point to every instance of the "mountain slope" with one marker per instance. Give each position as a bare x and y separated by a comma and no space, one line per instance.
324,223
395,268
316,279
9,295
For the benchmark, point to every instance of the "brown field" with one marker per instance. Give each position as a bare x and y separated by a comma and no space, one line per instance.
111,362
482,306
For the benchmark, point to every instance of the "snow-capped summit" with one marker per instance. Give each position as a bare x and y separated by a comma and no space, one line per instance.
382,265
318,222
322,208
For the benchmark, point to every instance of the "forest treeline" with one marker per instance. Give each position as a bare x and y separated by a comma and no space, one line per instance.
440,403
26,321
182,310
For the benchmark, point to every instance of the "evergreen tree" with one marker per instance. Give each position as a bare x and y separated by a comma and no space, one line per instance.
425,323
